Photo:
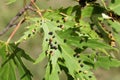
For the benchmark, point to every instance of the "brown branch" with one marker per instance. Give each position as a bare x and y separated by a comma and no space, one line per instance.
19,14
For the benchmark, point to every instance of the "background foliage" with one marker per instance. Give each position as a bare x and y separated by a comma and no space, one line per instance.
75,40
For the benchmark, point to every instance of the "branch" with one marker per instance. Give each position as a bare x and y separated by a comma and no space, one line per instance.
19,14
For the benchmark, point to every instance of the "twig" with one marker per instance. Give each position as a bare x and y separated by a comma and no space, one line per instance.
17,27
37,8
19,14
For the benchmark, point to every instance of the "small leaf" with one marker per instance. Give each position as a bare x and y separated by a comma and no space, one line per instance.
115,6
10,1
106,62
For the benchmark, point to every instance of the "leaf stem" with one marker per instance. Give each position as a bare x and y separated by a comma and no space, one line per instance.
16,28
103,2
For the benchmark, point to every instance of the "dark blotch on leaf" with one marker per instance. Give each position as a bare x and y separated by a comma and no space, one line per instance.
34,29
46,39
40,23
51,19
80,71
65,41
51,46
61,26
88,63
55,42
33,32
54,47
74,55
81,40
81,65
78,50
84,47
53,36
88,56
37,21
78,55
51,52
29,35
46,52
97,53
50,33
59,48
57,21
86,38
90,76
64,20
112,1
79,61
50,40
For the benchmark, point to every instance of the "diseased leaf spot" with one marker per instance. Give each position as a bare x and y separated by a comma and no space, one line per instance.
53,36
51,52
40,23
46,52
57,21
46,40
50,33
90,76
29,35
81,65
79,61
61,26
64,19
54,47
50,40
55,42
51,19
78,55
65,41
80,71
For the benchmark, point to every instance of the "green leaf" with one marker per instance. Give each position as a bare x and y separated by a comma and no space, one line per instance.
106,62
11,59
32,29
117,38
8,71
87,11
52,74
115,6
115,25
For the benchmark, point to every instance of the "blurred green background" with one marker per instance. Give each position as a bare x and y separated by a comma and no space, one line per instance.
33,46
